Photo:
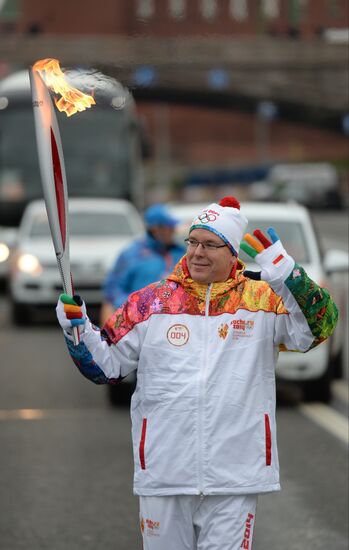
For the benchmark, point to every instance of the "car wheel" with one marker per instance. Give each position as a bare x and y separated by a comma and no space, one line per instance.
21,314
337,364
319,389
120,394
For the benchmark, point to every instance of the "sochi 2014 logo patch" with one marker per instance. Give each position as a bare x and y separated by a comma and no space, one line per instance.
178,335
242,328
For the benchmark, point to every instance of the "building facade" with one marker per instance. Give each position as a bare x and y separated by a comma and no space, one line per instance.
186,137
295,18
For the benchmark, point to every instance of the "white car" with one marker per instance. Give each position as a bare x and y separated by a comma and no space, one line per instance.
314,369
8,236
99,230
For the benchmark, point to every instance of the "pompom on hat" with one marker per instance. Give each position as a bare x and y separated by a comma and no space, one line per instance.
225,220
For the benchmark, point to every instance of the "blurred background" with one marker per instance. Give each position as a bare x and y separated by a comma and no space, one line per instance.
196,99
226,90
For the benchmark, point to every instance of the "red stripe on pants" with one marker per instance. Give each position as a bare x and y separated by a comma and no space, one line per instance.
142,443
267,440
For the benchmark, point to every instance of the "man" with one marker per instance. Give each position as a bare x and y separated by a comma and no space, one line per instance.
205,343
146,260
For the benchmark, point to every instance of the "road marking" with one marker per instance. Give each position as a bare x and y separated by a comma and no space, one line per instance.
328,419
22,414
340,389
39,414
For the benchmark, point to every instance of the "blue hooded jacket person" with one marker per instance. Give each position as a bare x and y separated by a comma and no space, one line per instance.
148,259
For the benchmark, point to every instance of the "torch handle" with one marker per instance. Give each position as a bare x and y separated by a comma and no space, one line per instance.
67,283
76,336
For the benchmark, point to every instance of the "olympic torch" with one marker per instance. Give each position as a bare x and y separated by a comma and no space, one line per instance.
53,177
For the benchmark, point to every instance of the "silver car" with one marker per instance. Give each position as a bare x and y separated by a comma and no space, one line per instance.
99,230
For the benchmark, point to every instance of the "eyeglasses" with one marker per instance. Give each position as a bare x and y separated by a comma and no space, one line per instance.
192,243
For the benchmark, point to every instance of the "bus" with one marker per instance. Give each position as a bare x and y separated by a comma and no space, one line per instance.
102,146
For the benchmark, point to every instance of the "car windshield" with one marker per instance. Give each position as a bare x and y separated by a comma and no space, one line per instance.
97,153
84,224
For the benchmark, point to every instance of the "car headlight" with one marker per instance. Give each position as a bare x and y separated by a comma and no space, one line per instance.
4,252
28,263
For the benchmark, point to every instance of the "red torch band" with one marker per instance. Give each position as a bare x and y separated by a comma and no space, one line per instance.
57,173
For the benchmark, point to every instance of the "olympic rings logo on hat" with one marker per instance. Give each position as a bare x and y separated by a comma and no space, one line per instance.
207,217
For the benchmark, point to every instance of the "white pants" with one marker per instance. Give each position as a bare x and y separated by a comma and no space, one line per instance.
185,522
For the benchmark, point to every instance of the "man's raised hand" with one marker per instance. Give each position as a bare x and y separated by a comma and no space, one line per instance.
276,265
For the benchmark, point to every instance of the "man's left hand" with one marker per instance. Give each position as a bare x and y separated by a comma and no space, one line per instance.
276,265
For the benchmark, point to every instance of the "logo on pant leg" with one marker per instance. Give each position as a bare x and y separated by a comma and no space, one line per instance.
247,542
149,527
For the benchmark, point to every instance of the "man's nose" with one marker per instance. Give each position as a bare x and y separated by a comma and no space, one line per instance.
199,250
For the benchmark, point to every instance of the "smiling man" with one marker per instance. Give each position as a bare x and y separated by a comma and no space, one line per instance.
212,256
204,342
204,264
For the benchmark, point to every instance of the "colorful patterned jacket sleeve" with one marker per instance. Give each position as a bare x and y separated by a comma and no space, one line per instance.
86,364
315,303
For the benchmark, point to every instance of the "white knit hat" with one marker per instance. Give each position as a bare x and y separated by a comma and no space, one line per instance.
225,220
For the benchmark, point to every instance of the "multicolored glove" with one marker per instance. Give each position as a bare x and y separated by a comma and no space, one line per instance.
71,312
271,256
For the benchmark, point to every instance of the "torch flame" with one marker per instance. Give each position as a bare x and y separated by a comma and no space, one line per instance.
71,99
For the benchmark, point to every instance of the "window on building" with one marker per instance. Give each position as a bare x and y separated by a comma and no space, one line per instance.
10,13
177,8
238,9
209,9
334,9
145,9
271,9
303,8
297,11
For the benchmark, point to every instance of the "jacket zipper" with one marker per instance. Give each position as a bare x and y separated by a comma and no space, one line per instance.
202,392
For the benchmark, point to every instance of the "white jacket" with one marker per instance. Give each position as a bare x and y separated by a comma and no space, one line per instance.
203,412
